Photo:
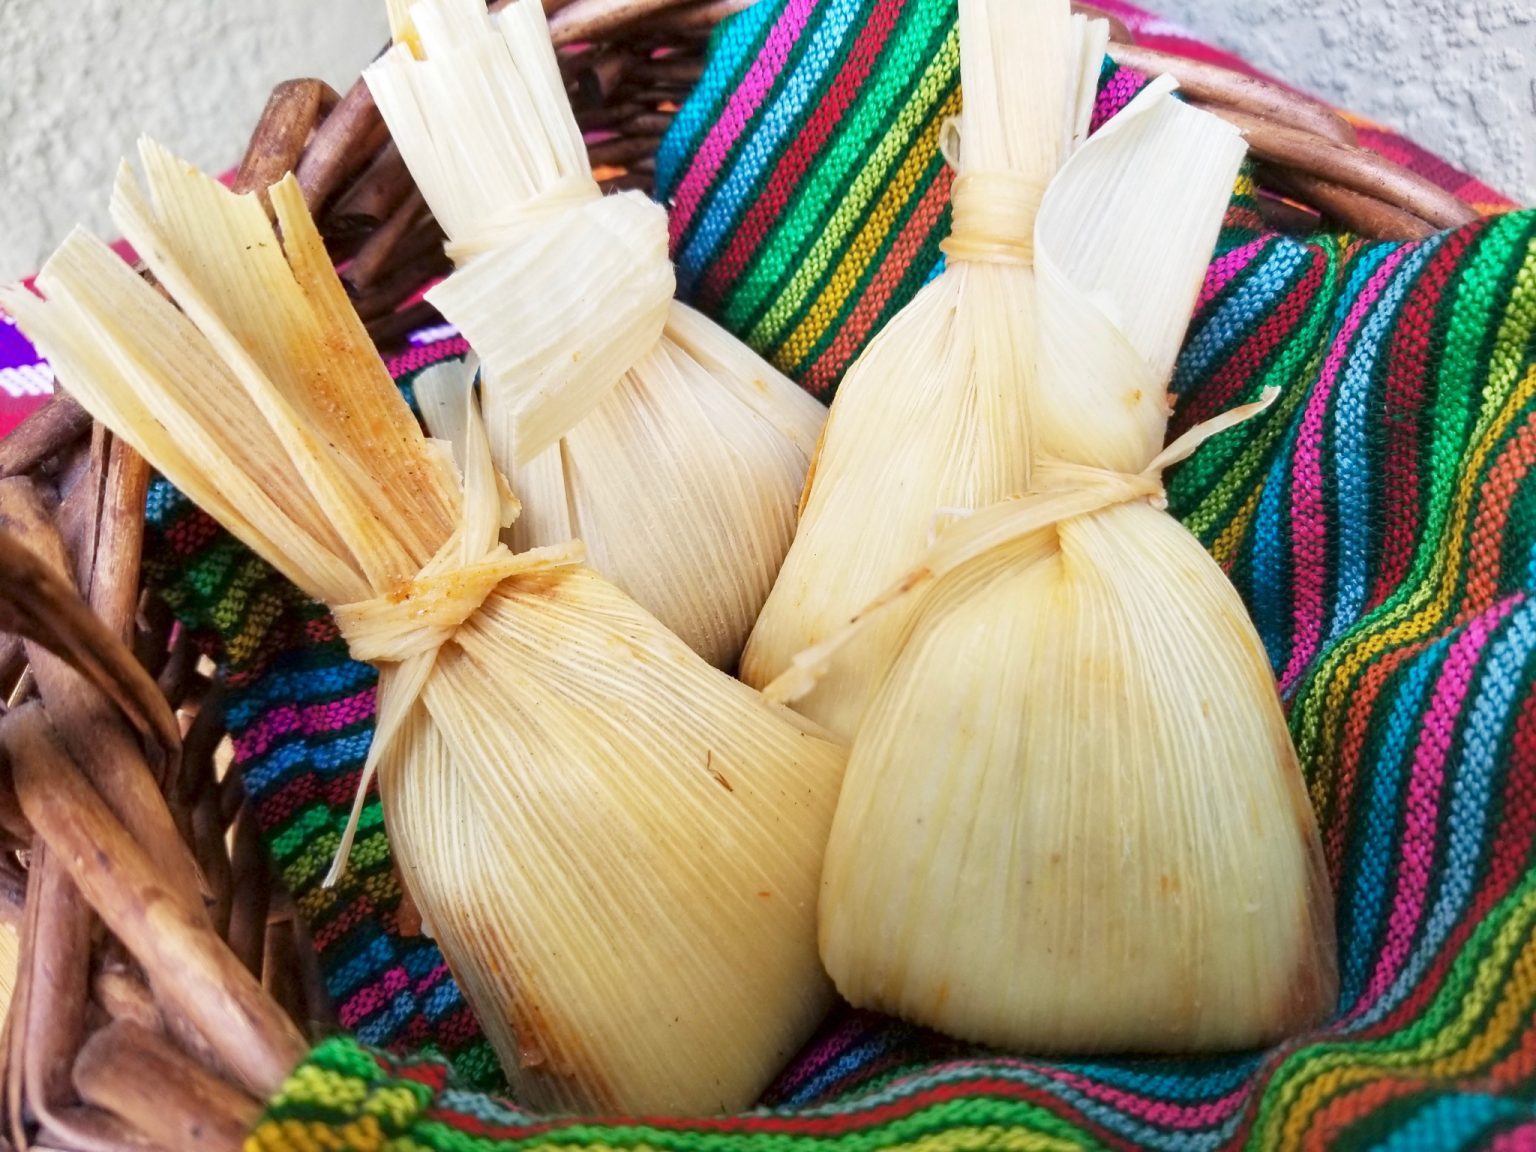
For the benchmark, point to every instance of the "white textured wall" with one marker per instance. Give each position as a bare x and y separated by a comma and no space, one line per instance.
1458,76
79,80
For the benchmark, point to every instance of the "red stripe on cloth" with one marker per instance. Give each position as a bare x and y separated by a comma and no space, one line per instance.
804,149
1229,384
828,368
1405,402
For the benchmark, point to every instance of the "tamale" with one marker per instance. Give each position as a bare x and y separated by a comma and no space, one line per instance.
620,416
1073,818
932,415
617,846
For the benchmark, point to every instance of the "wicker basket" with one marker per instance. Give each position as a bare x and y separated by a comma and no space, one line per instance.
166,985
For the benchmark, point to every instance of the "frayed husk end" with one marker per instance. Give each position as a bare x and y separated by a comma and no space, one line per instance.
617,414
402,30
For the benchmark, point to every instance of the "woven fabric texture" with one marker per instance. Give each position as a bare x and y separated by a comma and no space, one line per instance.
1378,521
806,191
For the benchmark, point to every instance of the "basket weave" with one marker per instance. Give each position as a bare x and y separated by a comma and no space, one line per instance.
166,985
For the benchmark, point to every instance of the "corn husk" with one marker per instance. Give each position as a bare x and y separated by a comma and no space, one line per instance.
620,416
933,415
617,846
1073,818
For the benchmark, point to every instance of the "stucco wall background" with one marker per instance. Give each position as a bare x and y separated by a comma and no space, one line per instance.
81,79
79,82
1457,76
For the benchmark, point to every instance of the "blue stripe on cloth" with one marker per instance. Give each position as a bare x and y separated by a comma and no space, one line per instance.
732,42
361,968
1380,819
328,758
380,1028
1354,482
442,1000
1452,1122
310,684
1273,272
1471,797
783,116
1267,602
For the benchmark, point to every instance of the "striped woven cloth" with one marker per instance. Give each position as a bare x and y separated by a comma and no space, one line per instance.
1379,521
806,190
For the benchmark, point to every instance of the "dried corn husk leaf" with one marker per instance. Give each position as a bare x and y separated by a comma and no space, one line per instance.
618,846
9,957
619,416
1073,817
934,414
653,909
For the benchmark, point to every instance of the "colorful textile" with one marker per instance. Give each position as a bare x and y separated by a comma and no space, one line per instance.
1380,524
1379,521
26,379
807,195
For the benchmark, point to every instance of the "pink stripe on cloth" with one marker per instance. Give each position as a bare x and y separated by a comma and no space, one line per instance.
1164,1113
1426,781
1309,532
1521,1139
317,719
373,998
1227,266
755,86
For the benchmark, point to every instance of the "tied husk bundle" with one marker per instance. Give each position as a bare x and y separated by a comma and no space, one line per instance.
933,414
1073,818
619,416
617,846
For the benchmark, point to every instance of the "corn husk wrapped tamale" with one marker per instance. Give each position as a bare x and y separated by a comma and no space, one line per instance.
933,414
616,845
619,416
1073,818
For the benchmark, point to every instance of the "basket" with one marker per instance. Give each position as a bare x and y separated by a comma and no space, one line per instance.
166,984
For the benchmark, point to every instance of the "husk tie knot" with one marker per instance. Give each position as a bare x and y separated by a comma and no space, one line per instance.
422,614
1062,490
561,296
994,217
403,628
